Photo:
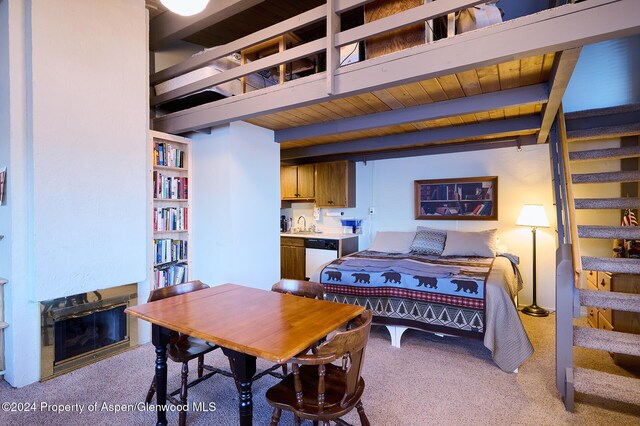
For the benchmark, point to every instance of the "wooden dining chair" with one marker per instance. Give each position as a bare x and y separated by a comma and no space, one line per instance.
299,288
183,348
320,391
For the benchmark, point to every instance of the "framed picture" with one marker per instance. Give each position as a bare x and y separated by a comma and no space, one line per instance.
474,198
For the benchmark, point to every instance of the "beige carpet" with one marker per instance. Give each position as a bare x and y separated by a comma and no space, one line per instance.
430,380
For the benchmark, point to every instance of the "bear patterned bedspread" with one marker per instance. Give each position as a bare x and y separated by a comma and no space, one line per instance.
426,292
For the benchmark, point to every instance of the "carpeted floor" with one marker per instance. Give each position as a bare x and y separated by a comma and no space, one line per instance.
430,380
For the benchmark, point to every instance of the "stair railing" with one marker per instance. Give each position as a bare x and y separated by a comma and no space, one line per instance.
569,199
566,270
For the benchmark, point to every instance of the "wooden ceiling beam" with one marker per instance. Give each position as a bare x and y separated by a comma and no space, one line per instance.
529,95
446,148
170,27
497,129
551,30
563,65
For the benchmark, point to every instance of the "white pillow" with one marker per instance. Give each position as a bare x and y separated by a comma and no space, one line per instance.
393,242
481,244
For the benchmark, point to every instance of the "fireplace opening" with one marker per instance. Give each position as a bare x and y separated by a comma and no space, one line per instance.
76,336
84,328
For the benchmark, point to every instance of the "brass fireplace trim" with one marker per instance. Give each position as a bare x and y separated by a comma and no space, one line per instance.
81,305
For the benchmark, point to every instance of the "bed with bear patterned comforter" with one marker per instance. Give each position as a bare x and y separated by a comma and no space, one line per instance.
462,296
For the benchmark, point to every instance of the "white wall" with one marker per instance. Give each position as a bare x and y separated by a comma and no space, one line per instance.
76,138
235,205
89,121
523,177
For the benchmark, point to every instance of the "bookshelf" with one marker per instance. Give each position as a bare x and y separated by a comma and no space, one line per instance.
170,209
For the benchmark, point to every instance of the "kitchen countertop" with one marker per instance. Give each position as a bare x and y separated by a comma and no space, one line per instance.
325,235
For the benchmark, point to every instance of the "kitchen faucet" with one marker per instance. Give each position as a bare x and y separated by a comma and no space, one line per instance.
305,222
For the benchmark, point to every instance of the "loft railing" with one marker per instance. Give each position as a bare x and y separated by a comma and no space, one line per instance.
567,268
330,44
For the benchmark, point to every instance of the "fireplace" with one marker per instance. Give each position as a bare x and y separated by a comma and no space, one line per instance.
84,328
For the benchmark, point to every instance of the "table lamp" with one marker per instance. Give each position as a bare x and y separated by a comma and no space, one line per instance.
533,215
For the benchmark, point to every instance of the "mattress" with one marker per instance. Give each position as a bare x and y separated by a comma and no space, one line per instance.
503,333
230,88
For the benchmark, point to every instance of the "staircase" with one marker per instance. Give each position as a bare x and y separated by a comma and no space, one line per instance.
570,264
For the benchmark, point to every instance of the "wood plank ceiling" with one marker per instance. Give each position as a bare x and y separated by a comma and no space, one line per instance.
484,80
489,79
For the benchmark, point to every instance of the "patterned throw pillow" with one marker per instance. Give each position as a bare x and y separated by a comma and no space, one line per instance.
429,241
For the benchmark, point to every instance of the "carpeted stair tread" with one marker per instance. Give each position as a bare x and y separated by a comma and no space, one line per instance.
606,177
608,341
598,154
609,232
607,203
629,302
621,130
610,386
611,264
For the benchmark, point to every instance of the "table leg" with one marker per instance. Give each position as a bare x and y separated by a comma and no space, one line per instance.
244,367
160,338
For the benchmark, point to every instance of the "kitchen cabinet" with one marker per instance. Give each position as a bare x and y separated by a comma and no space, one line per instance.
297,182
335,184
292,258
301,256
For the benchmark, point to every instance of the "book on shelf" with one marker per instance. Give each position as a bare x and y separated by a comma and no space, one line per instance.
477,209
486,209
168,155
446,210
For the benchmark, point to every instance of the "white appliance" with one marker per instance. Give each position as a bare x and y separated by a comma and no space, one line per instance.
319,251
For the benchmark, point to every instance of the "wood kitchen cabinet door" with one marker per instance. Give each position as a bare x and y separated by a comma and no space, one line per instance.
288,182
306,181
297,182
292,258
335,184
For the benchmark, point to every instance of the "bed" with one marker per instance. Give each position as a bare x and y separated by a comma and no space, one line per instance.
470,296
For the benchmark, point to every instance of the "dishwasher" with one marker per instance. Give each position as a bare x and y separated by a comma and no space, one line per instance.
319,251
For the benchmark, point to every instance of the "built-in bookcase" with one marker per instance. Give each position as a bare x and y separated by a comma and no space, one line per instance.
170,209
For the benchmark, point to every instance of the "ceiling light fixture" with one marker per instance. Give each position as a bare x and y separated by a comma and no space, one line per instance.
185,7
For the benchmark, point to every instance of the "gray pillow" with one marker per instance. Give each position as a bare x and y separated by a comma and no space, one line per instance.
429,241
482,244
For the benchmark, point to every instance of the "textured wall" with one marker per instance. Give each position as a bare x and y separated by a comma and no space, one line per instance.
73,137
89,121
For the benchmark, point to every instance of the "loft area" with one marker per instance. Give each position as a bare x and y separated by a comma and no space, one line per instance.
399,92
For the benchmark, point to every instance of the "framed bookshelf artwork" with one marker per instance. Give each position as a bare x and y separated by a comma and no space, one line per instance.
473,198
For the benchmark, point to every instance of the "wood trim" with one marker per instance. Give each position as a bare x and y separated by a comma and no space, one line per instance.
551,30
446,148
291,24
333,54
468,131
529,95
573,225
402,19
261,64
418,201
563,65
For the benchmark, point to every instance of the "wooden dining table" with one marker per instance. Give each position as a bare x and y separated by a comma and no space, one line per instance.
248,323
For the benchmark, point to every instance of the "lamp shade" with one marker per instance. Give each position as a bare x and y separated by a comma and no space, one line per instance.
185,7
533,215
